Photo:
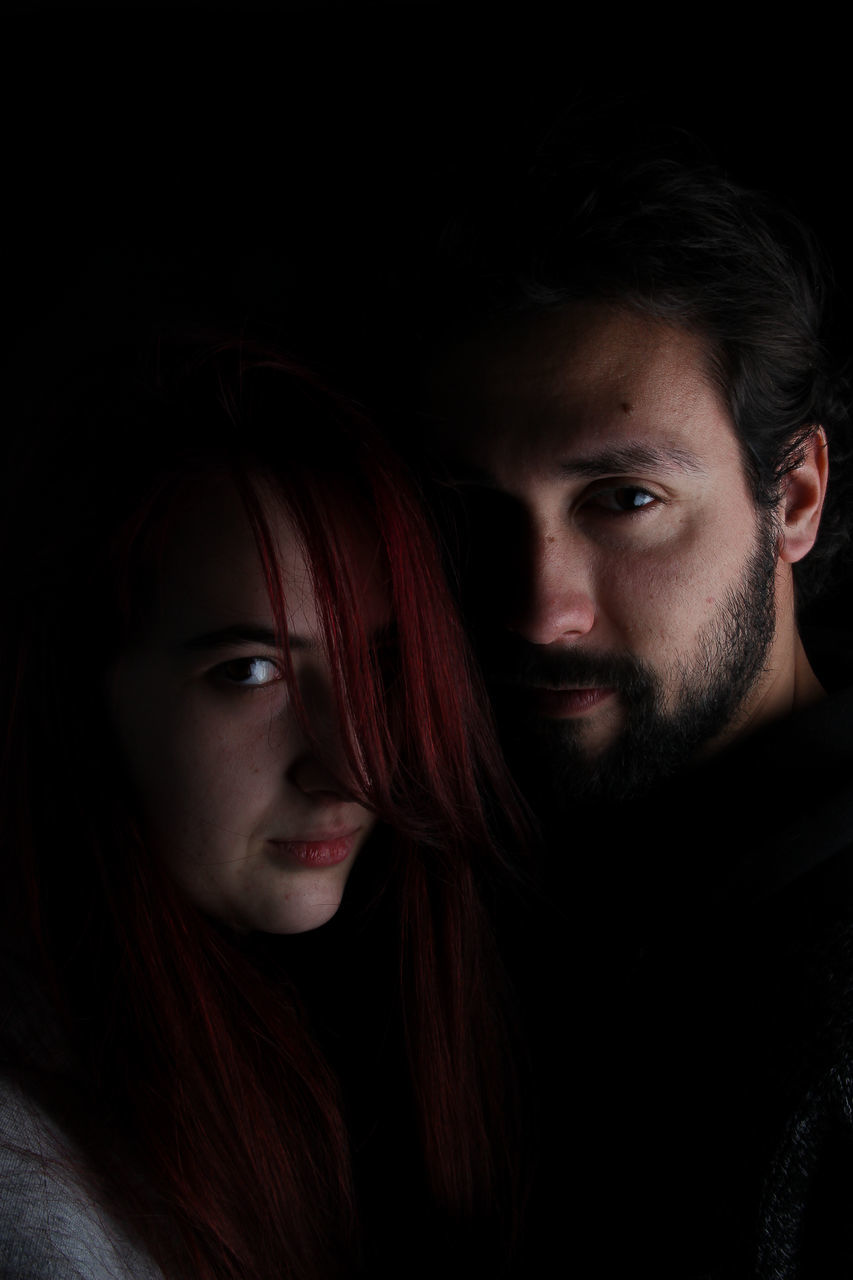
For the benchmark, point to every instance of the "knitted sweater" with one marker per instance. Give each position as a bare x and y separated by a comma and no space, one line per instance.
51,1226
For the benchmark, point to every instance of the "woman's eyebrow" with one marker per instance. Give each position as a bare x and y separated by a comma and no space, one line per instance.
242,633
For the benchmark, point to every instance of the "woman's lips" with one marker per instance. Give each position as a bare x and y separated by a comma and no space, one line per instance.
562,704
327,852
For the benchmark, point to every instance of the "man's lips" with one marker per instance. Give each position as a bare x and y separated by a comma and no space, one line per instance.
563,704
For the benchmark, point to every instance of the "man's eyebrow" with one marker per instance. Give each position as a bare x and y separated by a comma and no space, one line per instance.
615,460
243,633
633,457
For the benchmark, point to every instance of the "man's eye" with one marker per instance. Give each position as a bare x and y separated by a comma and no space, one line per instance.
626,498
249,673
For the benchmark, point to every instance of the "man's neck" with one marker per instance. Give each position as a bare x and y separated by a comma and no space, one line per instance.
807,688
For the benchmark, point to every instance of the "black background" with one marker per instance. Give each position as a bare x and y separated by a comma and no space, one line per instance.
317,136
285,161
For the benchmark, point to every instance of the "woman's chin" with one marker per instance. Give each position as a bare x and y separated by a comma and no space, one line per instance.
295,911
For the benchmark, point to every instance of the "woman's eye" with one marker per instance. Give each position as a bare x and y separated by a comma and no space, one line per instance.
250,673
626,498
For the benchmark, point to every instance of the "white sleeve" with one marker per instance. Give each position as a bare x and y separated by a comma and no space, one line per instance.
51,1228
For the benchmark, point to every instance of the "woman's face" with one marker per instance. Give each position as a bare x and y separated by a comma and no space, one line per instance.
253,820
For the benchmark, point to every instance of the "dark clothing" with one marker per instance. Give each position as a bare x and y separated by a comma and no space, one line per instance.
697,1066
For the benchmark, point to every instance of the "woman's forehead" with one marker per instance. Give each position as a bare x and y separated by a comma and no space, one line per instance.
211,574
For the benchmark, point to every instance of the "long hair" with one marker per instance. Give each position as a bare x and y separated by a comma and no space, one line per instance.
234,1157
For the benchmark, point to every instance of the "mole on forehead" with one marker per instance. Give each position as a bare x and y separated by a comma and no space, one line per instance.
572,378
613,361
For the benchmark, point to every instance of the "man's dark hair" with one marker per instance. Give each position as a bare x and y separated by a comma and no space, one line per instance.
660,229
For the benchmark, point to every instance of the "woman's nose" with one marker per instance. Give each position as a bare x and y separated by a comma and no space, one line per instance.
321,766
314,776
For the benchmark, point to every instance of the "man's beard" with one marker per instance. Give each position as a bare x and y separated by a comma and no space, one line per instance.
662,732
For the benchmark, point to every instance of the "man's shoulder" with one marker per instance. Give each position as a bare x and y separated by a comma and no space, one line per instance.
804,1226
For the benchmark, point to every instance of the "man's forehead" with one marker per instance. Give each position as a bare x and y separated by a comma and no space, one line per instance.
567,386
573,352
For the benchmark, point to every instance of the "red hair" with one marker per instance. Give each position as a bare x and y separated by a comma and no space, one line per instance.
197,1054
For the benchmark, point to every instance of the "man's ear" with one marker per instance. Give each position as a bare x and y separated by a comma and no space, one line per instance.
802,501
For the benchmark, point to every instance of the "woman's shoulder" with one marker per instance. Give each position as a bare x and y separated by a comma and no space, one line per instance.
51,1224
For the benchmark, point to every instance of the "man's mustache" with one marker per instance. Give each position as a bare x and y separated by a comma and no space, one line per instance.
520,665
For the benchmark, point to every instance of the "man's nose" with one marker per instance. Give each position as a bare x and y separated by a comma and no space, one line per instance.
554,596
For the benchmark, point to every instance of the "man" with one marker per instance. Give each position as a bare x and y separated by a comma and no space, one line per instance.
635,403
638,411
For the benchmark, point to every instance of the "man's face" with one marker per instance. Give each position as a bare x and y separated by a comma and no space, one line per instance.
622,582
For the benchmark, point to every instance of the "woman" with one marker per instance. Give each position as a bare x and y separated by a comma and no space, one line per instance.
240,710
